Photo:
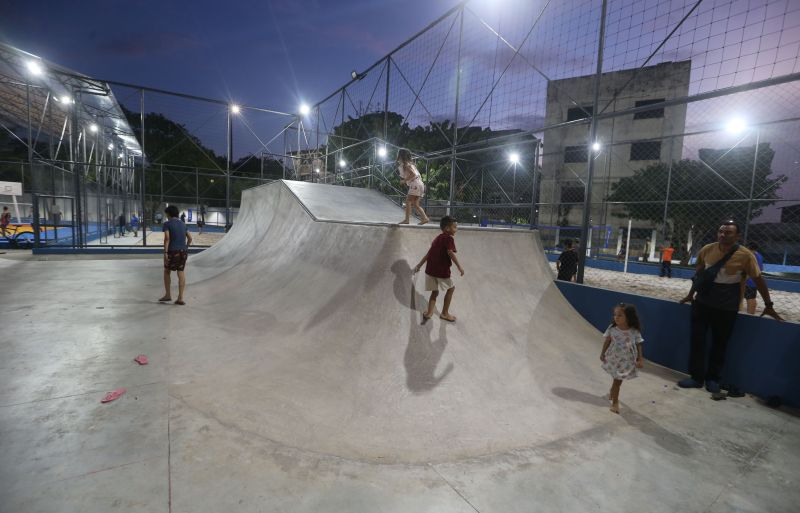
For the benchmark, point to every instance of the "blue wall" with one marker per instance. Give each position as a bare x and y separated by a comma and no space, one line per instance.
763,355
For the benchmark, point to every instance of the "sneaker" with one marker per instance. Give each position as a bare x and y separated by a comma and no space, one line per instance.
712,386
689,383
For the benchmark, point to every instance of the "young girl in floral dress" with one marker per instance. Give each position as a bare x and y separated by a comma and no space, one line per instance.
622,349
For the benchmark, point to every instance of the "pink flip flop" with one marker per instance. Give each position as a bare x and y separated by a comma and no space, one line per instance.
111,396
141,359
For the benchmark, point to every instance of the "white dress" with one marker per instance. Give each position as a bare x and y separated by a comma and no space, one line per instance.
621,353
413,180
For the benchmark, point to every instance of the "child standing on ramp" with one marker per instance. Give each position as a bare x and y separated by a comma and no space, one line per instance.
440,258
416,189
622,349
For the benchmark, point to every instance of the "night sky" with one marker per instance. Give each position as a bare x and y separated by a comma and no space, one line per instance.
268,54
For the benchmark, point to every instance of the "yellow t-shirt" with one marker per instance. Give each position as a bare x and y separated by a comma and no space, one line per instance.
739,266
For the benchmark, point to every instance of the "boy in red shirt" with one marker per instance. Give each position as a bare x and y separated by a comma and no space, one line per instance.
440,258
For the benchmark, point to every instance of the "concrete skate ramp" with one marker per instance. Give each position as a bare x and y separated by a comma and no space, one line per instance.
318,342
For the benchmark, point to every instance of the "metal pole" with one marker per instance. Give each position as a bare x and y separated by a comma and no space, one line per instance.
752,186
627,247
77,213
455,121
30,134
386,101
533,221
587,200
669,184
283,160
228,173
143,217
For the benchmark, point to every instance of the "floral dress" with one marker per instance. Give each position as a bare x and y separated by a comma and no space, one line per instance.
621,353
413,179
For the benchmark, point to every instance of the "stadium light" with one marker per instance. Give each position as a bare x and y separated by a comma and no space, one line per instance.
596,146
736,126
305,110
514,158
382,151
316,170
93,128
35,68
110,146
342,163
235,108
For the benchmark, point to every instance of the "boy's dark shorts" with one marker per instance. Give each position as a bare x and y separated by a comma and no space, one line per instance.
749,292
176,260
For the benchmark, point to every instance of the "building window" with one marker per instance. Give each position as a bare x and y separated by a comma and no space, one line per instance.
573,154
572,193
650,150
576,113
649,114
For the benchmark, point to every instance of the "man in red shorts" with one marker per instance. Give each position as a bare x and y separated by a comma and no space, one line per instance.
176,249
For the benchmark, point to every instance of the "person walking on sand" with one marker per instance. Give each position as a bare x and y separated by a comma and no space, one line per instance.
622,349
666,260
135,225
438,260
416,189
177,240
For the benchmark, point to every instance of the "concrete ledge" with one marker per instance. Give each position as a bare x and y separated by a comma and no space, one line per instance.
763,356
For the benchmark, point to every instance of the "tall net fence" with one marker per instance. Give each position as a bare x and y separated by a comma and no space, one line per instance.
624,125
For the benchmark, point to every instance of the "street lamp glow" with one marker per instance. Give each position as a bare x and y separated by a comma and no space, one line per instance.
110,146
342,163
235,108
736,126
596,146
93,128
514,158
35,68
121,155
382,151
305,110
316,170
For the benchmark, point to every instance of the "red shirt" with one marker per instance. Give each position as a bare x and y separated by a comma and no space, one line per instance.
439,262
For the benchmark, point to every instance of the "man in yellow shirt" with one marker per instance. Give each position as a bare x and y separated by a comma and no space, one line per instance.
715,304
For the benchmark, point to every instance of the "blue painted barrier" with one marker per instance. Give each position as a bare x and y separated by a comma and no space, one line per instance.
763,356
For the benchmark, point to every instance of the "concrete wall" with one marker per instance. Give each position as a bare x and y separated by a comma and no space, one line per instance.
763,355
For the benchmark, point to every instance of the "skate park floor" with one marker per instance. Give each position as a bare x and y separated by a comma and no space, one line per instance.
319,391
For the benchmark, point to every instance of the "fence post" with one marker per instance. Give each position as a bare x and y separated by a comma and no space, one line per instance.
455,120
587,200
669,184
752,186
143,217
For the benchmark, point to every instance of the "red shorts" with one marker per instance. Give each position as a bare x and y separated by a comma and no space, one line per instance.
176,260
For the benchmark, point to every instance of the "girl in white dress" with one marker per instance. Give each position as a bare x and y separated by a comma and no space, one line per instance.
416,189
622,349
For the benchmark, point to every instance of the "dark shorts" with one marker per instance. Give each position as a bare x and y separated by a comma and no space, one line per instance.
176,260
749,292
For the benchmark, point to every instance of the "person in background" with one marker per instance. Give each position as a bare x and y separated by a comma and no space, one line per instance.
135,225
750,285
567,263
5,220
121,223
666,260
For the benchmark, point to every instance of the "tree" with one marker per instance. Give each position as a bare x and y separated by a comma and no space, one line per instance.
701,192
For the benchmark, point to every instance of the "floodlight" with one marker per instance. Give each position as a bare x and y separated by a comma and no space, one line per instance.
305,110
121,155
235,108
316,170
93,128
736,126
63,99
356,75
514,158
212,180
382,151
342,163
596,146
35,68
110,146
